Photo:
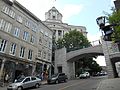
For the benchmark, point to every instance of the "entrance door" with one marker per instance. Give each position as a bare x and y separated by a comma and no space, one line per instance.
17,73
59,69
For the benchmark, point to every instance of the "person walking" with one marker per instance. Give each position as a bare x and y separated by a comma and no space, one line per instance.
6,78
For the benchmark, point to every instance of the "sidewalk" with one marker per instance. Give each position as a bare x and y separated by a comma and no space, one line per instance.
109,84
44,82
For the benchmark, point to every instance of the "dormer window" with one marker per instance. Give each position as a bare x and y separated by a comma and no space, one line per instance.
53,17
54,12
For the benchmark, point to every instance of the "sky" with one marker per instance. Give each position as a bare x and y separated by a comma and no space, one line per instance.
75,12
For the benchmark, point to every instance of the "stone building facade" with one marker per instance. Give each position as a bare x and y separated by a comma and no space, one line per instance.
117,4
25,42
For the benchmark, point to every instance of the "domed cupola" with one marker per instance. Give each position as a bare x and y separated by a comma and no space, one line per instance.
53,15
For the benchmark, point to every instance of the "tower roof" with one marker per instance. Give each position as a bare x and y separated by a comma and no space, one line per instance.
53,15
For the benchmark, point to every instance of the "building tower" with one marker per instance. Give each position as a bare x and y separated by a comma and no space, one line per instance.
53,15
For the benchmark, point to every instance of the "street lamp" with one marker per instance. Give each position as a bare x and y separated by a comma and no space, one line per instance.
107,29
101,21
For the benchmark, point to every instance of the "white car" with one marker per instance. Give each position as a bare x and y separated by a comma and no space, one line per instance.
84,75
26,82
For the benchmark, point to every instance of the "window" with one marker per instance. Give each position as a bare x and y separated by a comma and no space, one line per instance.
44,55
12,14
63,32
27,23
54,32
33,78
2,24
49,57
16,32
40,40
22,51
6,26
50,45
54,12
2,45
62,74
9,12
59,32
27,80
33,28
25,35
6,10
30,54
53,17
39,53
13,49
19,18
32,40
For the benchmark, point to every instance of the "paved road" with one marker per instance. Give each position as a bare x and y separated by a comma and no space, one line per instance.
79,84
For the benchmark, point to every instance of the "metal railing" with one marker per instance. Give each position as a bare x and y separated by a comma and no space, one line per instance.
92,44
96,43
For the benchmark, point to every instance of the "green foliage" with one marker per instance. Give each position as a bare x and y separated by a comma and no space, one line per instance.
88,64
73,40
114,18
91,64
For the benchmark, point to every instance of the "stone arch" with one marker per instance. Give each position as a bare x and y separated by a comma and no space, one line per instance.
113,61
84,55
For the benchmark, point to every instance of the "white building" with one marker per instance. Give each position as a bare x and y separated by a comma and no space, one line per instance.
53,19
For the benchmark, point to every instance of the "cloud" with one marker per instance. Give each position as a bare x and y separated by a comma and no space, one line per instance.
100,59
112,2
94,37
37,7
70,10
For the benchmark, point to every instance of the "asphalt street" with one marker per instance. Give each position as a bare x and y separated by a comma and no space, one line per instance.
78,84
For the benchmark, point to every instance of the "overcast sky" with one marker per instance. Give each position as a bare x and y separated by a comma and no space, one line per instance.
75,12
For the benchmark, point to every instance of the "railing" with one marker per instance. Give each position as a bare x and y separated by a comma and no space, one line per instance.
92,44
113,48
96,42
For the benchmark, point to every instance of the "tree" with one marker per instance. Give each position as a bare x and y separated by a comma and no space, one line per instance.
114,18
73,40
87,64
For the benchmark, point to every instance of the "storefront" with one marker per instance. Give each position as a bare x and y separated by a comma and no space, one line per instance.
43,69
12,68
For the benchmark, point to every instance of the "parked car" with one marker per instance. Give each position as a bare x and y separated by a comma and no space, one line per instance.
84,75
56,78
26,82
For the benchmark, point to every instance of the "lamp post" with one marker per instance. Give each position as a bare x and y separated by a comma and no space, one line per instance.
107,29
101,21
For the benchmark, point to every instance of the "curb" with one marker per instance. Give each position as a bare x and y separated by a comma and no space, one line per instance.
43,82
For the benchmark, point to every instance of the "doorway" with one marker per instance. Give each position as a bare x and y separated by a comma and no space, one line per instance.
17,73
59,69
